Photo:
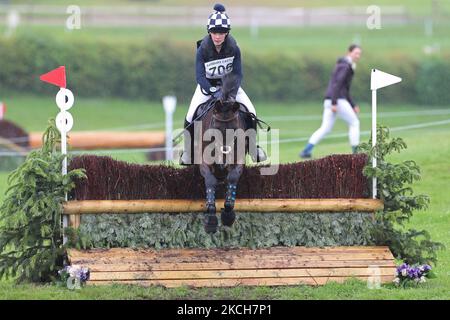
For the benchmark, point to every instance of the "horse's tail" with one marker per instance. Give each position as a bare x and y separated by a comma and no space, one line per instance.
230,85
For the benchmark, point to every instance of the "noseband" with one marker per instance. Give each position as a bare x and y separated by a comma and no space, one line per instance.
226,120
226,149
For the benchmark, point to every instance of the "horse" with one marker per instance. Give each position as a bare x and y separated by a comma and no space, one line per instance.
223,118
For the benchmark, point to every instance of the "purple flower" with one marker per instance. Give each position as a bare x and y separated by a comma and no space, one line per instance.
404,266
417,273
76,271
85,275
411,273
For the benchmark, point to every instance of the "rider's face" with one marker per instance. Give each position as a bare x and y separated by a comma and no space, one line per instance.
218,38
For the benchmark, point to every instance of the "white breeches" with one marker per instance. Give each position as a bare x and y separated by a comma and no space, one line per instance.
200,98
344,111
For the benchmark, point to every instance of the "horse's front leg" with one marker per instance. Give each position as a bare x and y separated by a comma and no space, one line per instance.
210,218
228,216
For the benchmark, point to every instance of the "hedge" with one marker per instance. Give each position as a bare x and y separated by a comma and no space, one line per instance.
151,70
255,230
335,176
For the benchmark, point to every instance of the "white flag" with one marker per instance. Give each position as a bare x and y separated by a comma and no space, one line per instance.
380,79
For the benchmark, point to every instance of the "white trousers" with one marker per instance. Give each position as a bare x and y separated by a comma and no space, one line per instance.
344,111
200,98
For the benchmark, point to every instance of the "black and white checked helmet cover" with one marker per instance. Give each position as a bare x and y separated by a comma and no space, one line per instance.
219,20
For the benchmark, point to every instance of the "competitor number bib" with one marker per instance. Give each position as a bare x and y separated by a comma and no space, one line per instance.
217,68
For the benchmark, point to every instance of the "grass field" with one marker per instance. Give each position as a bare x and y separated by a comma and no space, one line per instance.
413,6
426,131
389,41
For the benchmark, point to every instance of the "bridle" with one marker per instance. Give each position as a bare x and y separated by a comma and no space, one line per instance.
226,120
224,148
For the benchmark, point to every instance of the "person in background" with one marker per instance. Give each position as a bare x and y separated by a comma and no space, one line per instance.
338,102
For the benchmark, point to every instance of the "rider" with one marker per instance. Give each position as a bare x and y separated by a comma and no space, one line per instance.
217,54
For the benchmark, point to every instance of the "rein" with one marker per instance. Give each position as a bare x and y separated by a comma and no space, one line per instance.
209,106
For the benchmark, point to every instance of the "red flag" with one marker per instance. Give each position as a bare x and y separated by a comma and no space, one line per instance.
56,77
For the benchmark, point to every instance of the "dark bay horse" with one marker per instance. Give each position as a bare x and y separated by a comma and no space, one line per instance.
225,126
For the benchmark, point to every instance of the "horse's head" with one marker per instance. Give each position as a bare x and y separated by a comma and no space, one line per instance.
226,117
225,111
226,107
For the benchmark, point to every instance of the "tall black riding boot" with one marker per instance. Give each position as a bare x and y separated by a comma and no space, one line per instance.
186,156
260,153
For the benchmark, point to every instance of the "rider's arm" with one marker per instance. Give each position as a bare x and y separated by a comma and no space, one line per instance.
350,100
200,72
338,79
237,69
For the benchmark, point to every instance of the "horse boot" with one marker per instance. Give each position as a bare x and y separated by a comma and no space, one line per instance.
210,221
227,215
186,157
260,155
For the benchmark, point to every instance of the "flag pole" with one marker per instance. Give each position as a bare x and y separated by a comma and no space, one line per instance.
374,140
378,79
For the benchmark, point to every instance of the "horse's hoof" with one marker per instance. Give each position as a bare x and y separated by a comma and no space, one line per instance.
210,223
228,217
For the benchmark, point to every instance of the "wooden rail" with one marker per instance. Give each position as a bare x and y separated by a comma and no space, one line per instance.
77,208
90,140
242,205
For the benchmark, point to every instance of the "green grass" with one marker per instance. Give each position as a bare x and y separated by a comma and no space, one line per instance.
429,146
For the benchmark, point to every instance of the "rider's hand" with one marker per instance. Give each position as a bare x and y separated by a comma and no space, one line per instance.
334,108
356,109
217,94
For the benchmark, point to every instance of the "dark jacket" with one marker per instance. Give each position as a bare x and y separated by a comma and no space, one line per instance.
211,65
339,85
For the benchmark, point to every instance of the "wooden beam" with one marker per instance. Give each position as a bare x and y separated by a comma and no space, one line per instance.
74,221
242,205
204,283
236,266
238,274
91,140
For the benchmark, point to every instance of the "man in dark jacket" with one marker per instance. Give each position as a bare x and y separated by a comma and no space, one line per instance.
338,102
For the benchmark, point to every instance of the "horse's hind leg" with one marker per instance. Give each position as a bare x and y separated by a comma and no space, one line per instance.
228,216
210,219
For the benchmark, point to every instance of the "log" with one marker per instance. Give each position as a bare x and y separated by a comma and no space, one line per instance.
91,140
242,205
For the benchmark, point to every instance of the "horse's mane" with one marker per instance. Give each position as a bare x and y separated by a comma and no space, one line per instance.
229,84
